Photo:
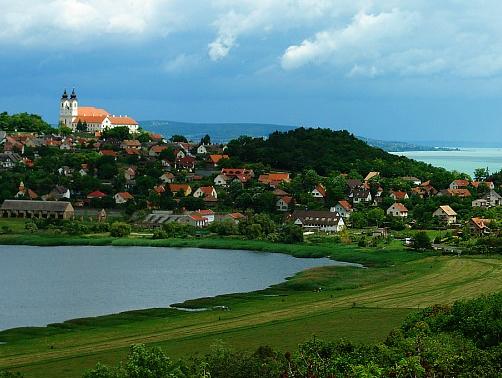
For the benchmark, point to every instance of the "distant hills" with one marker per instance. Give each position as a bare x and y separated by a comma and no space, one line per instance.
224,132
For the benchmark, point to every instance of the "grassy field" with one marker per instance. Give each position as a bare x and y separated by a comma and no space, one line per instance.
362,305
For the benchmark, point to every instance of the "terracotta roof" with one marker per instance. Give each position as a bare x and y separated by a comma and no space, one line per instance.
448,210
177,187
345,205
287,199
108,153
320,188
399,195
122,120
91,111
461,183
158,148
400,207
131,143
96,194
125,195
90,118
480,223
207,190
206,212
132,151
216,158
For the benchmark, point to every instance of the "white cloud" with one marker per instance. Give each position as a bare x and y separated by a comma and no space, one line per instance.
365,37
353,38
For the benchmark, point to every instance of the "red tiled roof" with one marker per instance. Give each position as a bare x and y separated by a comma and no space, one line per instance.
96,194
122,120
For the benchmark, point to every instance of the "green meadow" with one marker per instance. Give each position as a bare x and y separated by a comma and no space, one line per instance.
361,305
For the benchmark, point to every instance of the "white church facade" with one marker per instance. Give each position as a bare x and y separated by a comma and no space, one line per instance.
96,119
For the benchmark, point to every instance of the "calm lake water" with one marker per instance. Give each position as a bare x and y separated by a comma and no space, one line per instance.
42,285
466,160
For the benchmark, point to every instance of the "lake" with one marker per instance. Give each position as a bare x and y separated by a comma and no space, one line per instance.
466,160
42,285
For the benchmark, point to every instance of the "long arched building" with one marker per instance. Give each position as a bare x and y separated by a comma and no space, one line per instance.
96,119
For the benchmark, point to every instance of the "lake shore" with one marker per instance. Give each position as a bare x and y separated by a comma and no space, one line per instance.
337,251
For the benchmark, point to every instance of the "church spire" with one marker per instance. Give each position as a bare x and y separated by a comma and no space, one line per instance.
73,94
65,95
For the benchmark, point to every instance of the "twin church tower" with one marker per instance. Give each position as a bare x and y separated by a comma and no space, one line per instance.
94,119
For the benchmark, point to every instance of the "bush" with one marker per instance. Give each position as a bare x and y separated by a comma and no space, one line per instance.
120,229
422,241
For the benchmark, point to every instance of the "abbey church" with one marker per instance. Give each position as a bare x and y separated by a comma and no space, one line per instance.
94,119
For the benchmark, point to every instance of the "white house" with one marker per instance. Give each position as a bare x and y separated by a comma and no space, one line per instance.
202,150
398,210
319,191
221,180
208,214
459,184
122,197
326,221
343,208
284,203
206,191
446,214
359,195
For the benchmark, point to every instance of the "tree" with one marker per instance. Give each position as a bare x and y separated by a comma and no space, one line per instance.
81,126
120,229
63,130
121,133
481,174
376,216
291,233
206,140
178,138
422,241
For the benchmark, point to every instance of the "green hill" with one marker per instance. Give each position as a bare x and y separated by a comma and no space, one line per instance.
326,151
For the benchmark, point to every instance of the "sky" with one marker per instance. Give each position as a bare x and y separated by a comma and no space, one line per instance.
414,70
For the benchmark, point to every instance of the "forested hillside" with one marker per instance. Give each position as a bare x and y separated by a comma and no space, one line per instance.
24,122
326,151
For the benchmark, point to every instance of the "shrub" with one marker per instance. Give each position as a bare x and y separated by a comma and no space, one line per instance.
120,229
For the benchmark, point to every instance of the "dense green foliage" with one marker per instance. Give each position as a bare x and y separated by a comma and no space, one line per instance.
325,151
24,122
442,341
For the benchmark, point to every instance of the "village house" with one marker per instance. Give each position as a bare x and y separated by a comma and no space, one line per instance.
25,193
187,162
398,195
325,221
156,150
354,183
96,195
360,195
183,189
489,199
284,203
412,179
460,192
446,214
479,226
9,159
215,158
206,192
167,178
397,210
221,180
208,214
273,179
57,193
122,197
488,184
319,191
459,184
343,208
37,209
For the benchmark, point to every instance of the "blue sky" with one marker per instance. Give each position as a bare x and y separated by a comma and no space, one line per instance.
403,70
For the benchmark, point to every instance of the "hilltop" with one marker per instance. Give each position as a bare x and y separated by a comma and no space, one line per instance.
224,132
